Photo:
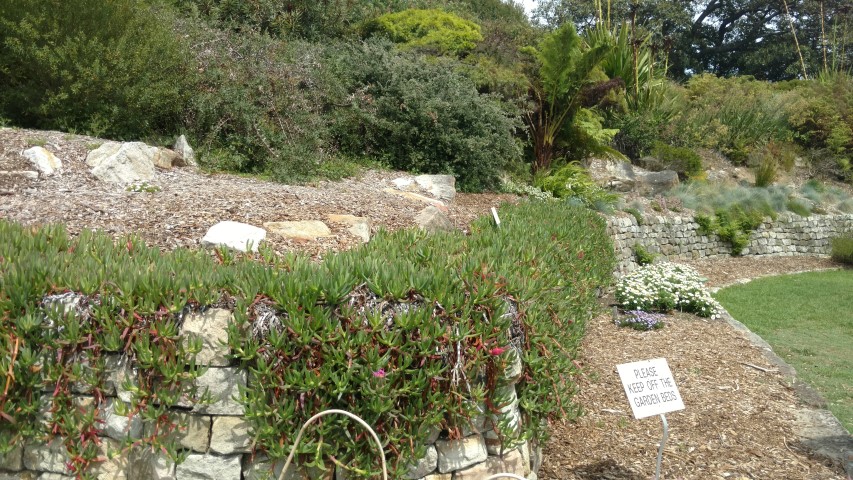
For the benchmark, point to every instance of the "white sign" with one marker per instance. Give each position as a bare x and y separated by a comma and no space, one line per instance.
650,387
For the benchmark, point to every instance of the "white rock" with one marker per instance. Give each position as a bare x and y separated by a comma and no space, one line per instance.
303,229
212,327
143,463
458,454
234,235
403,183
123,162
230,435
43,160
49,457
29,174
209,467
185,151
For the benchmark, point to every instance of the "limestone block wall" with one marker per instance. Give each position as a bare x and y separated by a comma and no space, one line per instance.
678,238
218,441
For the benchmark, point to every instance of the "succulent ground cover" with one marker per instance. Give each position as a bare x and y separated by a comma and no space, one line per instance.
409,332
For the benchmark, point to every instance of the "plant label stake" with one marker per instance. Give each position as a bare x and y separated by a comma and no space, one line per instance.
651,390
497,219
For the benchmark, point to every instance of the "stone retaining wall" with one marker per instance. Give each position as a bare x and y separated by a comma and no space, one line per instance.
678,238
218,441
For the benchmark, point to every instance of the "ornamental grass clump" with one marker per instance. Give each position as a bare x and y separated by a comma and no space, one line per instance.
663,287
640,320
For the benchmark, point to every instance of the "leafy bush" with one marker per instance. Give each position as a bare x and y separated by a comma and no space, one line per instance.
433,30
842,249
112,69
636,213
421,116
732,225
573,182
682,160
261,105
409,332
663,287
294,18
643,256
732,115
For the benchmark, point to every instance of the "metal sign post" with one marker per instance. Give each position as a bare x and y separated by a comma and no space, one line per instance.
651,390
662,443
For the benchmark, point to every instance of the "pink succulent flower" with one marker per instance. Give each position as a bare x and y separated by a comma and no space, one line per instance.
379,373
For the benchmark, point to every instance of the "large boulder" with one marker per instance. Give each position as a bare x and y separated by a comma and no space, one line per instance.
186,152
432,219
613,174
442,187
234,235
123,162
656,183
44,161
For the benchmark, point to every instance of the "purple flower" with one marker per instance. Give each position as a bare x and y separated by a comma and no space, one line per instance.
379,373
640,320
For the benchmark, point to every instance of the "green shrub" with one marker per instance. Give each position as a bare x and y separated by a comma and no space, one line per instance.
732,115
390,331
643,256
262,107
842,249
682,160
112,69
573,182
433,30
636,213
419,115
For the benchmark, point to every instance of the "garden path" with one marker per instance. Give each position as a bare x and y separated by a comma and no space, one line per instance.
743,419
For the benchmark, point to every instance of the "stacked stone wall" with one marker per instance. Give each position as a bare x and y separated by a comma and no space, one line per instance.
678,238
218,442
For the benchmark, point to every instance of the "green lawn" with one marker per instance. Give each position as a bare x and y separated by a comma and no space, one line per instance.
808,320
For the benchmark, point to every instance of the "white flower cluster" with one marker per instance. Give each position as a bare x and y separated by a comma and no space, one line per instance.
662,287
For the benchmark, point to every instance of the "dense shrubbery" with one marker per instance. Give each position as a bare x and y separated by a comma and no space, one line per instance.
112,69
419,115
424,310
683,160
842,249
431,30
573,182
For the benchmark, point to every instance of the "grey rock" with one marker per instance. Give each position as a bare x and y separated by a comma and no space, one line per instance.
13,460
148,464
192,431
424,465
118,426
458,454
234,235
223,386
656,183
442,187
613,174
432,219
211,326
49,457
186,152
